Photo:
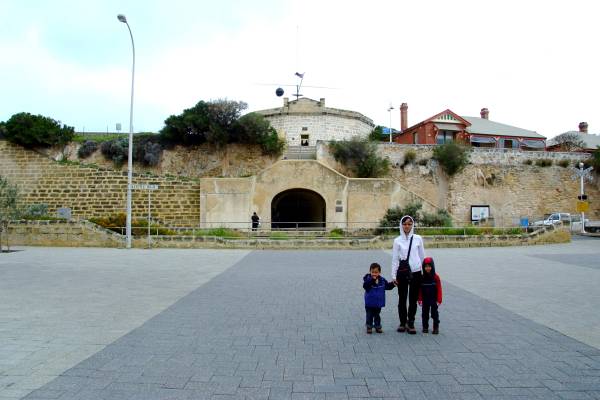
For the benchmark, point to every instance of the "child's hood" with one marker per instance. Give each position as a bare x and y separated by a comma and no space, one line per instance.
429,260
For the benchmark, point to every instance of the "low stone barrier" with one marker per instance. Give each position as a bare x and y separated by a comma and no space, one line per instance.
86,234
60,233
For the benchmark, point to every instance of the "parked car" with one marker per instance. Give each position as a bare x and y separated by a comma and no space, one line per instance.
590,226
554,219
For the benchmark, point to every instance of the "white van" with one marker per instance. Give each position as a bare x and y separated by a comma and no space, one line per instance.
554,219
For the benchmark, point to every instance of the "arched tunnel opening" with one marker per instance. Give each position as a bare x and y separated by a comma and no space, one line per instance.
298,208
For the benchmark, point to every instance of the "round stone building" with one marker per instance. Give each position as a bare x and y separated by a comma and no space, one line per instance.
304,121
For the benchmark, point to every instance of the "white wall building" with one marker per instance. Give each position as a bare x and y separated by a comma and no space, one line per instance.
305,121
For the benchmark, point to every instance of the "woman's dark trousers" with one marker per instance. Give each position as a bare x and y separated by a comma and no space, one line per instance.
373,317
409,291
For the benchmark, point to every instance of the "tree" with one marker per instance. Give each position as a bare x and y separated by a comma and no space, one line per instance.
9,209
570,141
36,130
254,128
376,134
210,122
452,157
594,160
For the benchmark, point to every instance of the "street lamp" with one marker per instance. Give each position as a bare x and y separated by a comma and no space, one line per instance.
122,18
390,111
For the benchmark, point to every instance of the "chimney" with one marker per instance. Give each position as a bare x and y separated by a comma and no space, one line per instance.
403,117
583,126
286,101
322,102
485,113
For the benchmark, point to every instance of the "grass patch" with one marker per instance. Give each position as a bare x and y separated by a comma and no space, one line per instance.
97,138
469,231
218,232
278,236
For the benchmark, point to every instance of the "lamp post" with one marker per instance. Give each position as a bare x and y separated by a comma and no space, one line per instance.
390,108
122,18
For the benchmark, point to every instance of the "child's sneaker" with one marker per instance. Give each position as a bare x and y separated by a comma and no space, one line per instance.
378,330
369,330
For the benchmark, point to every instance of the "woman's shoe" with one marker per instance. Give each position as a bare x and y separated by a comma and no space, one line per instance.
425,330
436,329
401,328
378,330
369,330
411,329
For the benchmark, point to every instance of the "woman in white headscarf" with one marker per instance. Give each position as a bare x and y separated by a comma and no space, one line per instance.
407,247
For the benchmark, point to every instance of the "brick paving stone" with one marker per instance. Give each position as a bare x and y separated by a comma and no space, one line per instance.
272,328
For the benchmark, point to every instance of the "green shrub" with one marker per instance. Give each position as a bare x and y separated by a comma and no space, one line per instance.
423,161
376,134
528,161
36,211
360,156
87,149
115,150
543,162
392,217
409,157
452,157
564,163
594,160
36,131
336,233
439,218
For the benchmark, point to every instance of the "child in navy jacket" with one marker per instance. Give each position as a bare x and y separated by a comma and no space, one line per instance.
430,296
375,286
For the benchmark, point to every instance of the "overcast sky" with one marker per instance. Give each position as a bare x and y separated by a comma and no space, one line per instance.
532,63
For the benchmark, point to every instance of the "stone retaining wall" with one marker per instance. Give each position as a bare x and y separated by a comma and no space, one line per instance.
94,192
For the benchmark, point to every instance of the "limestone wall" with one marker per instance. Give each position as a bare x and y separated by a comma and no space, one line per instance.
95,192
499,179
511,189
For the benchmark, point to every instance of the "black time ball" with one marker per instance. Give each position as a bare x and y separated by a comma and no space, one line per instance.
279,92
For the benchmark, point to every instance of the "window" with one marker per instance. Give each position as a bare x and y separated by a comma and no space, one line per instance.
444,137
303,140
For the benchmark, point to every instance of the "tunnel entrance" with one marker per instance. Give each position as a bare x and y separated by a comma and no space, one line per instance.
298,208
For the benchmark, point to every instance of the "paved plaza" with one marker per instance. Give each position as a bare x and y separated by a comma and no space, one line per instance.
518,322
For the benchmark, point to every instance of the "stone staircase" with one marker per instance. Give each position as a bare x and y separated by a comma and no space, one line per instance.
300,153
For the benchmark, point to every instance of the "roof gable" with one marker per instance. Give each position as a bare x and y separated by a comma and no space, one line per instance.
448,116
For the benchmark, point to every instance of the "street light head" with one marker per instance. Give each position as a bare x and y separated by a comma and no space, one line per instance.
580,165
122,18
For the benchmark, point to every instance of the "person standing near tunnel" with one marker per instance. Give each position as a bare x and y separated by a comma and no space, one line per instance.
408,253
255,221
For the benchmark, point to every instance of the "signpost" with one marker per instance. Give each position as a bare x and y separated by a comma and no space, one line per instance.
149,188
582,205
